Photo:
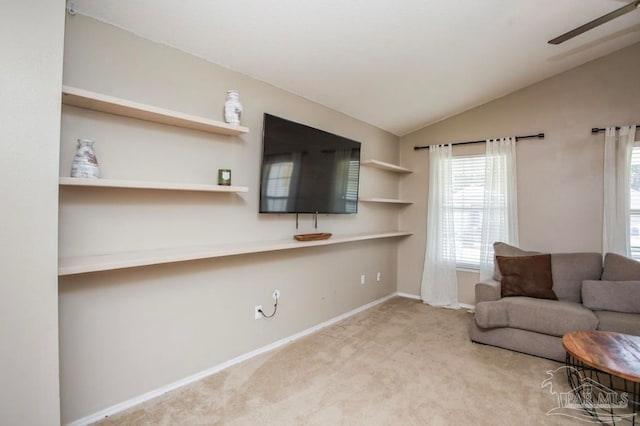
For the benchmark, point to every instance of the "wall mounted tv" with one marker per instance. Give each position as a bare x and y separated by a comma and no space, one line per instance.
307,170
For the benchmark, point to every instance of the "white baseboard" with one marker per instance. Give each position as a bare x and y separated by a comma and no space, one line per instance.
215,369
193,378
408,295
416,297
470,308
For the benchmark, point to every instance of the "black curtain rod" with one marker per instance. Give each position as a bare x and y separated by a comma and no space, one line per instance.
538,136
595,130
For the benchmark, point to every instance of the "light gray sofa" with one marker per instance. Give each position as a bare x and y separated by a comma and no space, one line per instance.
590,297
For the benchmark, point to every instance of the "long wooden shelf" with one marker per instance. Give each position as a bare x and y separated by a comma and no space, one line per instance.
384,200
143,184
385,166
106,262
112,105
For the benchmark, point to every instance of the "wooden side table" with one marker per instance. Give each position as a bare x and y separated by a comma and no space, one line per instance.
603,369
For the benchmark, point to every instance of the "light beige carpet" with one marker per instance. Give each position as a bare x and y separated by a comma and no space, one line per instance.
399,363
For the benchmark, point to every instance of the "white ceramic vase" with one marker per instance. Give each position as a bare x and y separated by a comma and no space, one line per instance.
85,163
232,108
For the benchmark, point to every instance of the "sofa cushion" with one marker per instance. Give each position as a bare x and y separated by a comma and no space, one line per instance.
618,296
619,322
504,249
526,276
487,290
492,314
620,268
552,317
569,270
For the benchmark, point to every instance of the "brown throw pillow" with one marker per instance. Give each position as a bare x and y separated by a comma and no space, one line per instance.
526,276
504,249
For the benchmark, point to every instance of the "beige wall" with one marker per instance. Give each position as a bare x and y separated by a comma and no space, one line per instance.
127,332
31,42
123,333
559,178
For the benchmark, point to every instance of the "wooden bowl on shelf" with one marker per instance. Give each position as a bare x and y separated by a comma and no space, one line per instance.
313,237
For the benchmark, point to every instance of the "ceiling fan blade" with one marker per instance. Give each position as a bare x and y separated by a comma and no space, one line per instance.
595,23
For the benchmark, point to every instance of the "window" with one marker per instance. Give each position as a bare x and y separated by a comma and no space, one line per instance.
278,185
468,202
634,213
351,196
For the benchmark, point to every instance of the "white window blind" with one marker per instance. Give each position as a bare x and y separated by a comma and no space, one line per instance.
278,185
352,186
468,202
634,213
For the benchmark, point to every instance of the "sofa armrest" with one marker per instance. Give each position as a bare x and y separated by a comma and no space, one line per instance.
487,291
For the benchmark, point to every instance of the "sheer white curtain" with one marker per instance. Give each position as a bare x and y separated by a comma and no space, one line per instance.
617,183
500,213
439,282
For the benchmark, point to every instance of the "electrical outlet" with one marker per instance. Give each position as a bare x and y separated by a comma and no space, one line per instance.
363,279
257,314
379,276
276,294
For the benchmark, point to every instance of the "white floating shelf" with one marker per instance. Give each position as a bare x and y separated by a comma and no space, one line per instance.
385,166
106,262
142,184
112,105
385,200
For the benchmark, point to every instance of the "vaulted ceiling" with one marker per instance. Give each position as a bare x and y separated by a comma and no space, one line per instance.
399,65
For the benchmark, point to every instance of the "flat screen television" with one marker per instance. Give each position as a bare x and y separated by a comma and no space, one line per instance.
307,170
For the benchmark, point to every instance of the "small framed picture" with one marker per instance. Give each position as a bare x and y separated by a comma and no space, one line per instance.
224,177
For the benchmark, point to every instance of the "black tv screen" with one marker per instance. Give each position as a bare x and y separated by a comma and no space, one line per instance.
307,170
